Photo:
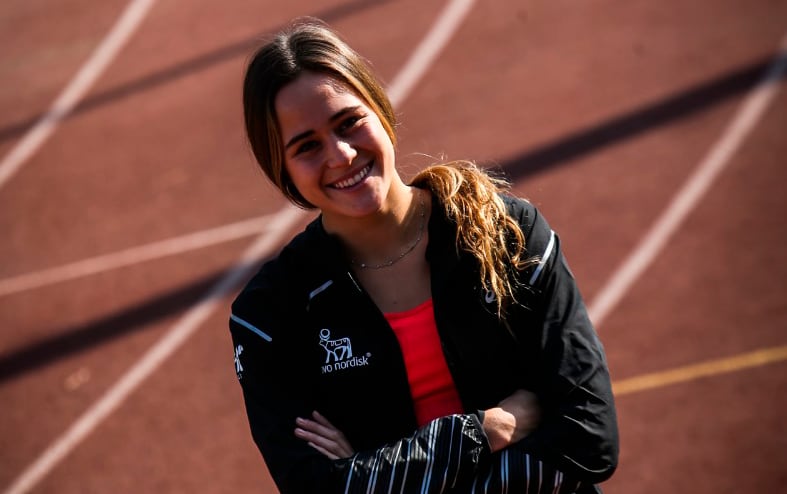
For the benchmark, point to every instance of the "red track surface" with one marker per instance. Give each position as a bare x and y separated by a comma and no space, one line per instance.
598,110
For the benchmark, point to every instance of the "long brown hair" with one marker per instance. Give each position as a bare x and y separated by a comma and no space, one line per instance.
470,195
307,45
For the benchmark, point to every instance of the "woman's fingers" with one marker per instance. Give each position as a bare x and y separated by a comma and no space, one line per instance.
333,446
329,454
512,419
317,428
323,436
525,408
322,420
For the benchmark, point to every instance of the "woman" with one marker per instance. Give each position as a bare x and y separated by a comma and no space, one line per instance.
422,337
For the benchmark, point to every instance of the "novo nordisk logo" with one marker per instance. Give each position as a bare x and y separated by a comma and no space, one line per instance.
339,353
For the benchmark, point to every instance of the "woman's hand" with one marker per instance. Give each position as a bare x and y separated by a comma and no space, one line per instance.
323,436
512,419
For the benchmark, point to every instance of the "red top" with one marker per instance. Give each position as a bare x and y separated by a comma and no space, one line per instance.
431,384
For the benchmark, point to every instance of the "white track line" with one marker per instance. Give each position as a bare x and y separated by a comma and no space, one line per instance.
692,190
447,23
134,255
149,362
422,58
100,59
280,225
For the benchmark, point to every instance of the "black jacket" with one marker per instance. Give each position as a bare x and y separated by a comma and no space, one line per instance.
307,337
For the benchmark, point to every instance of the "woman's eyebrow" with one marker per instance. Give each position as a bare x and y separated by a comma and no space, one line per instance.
297,138
344,111
334,117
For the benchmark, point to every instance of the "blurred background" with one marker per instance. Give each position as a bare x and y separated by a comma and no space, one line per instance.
131,211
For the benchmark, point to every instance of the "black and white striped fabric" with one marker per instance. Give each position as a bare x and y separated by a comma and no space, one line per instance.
445,456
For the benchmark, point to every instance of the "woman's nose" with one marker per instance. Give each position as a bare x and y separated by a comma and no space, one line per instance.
341,153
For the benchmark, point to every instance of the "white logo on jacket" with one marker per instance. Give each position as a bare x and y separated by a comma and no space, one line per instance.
339,353
238,366
335,350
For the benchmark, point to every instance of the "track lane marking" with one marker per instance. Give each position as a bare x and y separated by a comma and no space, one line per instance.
135,255
414,68
177,335
427,51
191,321
689,195
174,338
65,103
693,372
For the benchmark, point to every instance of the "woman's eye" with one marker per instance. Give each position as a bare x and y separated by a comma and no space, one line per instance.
305,147
348,123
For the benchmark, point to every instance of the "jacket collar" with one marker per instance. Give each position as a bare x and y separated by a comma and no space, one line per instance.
323,252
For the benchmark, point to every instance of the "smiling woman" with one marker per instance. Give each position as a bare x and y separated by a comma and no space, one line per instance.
337,152
425,336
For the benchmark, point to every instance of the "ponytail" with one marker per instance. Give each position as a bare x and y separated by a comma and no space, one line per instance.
484,228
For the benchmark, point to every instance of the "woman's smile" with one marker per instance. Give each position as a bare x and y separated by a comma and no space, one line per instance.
355,179
336,150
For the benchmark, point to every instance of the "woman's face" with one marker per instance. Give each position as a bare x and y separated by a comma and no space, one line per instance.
336,150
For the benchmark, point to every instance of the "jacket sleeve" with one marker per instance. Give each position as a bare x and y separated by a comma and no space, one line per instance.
578,435
444,453
515,470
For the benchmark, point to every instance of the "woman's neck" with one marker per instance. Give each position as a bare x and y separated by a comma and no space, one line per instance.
385,237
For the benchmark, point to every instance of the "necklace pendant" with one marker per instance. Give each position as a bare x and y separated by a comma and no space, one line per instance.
391,262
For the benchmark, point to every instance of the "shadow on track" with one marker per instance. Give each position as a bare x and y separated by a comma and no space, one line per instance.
185,68
73,340
560,152
683,105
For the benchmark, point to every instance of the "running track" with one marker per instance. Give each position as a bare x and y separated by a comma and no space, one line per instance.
126,217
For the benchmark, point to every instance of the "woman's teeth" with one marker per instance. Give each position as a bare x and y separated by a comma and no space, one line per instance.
354,179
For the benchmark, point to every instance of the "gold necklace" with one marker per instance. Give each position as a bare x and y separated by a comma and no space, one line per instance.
401,256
